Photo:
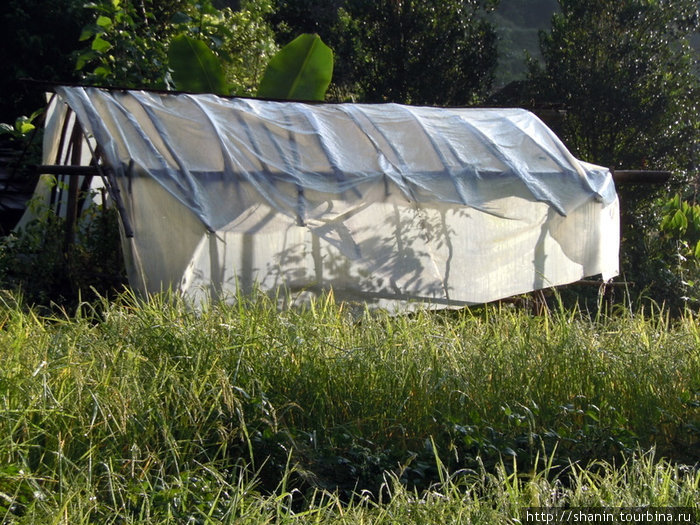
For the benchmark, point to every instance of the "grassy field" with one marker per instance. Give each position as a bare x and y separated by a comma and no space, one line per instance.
146,412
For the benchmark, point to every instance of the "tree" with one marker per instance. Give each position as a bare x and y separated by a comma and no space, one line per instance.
289,18
39,37
424,52
625,71
419,52
128,41
250,46
628,78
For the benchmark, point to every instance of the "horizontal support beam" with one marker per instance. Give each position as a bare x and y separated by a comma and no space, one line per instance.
94,171
621,177
75,171
640,176
586,282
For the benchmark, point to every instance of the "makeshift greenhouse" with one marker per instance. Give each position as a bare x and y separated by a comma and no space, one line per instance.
385,204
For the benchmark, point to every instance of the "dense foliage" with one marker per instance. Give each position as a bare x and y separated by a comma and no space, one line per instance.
39,40
428,52
146,412
128,42
629,80
39,264
626,74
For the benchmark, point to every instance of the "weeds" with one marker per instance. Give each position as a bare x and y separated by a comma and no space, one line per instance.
143,411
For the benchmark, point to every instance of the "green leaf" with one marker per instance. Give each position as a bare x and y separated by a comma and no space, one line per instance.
35,114
694,217
697,250
301,70
104,22
180,18
101,45
195,67
87,33
679,222
102,72
84,58
25,127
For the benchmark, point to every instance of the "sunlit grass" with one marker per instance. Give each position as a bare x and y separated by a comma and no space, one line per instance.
137,411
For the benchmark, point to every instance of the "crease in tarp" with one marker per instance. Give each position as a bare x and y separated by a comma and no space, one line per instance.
393,171
432,141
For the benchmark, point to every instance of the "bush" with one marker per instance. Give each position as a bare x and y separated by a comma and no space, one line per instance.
39,262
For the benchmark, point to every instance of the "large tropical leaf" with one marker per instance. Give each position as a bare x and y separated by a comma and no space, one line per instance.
195,67
301,70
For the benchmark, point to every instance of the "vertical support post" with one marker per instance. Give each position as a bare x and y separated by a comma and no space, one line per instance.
73,188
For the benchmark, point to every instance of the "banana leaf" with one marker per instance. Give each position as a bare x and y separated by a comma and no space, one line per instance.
195,68
301,70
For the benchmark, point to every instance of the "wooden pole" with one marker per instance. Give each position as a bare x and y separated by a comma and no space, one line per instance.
69,171
73,188
640,176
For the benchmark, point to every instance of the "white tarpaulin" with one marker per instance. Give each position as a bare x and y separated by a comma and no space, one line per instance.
380,202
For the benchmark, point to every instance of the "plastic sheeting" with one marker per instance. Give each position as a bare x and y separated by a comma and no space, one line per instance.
384,203
60,126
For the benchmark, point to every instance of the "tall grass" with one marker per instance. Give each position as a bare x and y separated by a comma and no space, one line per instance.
135,411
